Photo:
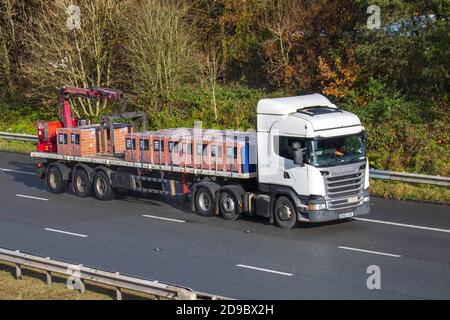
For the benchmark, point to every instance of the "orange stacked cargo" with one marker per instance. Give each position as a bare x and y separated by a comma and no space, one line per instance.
160,147
145,147
132,153
120,133
139,147
203,149
78,141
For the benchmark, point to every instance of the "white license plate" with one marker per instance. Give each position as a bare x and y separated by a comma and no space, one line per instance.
352,199
346,215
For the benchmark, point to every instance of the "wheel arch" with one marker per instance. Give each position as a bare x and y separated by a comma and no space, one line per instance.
89,170
105,170
65,170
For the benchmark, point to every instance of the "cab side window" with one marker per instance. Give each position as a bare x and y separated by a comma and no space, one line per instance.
283,146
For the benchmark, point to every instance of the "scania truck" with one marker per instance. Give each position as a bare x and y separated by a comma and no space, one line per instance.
310,165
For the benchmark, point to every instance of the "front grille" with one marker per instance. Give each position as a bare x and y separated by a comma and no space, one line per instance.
345,188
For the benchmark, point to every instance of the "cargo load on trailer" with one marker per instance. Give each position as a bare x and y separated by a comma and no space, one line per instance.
215,150
86,141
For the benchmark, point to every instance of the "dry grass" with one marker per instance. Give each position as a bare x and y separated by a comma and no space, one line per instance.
32,286
407,191
17,146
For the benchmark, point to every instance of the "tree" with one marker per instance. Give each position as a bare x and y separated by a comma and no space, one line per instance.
161,48
411,49
61,55
298,33
211,72
233,27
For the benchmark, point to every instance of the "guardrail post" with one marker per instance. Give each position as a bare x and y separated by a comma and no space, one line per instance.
18,272
48,276
82,286
118,293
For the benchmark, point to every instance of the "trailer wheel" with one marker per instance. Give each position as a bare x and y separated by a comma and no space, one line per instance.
204,203
228,205
284,212
55,180
81,183
102,188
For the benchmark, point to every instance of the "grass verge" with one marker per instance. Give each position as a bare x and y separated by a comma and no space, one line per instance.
17,146
408,191
32,286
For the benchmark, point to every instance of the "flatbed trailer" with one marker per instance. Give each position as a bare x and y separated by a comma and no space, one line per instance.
101,175
111,161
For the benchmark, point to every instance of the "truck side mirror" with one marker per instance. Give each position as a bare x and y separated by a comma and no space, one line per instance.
297,153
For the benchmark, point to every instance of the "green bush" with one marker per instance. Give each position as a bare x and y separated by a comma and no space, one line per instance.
236,108
399,138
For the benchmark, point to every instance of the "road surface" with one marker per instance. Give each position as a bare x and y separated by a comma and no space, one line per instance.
160,239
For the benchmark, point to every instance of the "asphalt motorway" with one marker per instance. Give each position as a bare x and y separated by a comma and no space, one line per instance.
161,239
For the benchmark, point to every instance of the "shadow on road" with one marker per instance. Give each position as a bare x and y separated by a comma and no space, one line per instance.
29,180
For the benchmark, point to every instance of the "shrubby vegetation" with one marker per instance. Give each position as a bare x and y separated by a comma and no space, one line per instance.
182,61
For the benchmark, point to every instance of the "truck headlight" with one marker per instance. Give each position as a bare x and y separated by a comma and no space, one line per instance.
366,199
317,206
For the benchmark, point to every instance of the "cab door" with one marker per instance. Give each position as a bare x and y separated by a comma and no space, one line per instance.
283,171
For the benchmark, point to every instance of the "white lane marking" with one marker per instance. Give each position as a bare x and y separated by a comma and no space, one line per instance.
16,171
161,218
30,197
265,270
403,225
66,232
369,251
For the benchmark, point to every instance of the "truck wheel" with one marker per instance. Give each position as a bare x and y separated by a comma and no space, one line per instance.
285,213
81,183
102,188
55,180
228,205
204,203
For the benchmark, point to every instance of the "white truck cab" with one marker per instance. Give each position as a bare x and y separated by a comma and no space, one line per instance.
315,154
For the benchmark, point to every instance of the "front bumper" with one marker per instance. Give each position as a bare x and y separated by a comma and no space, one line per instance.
330,215
304,214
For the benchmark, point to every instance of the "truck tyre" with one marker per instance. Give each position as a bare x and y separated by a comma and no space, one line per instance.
55,180
228,206
81,183
285,213
102,187
204,203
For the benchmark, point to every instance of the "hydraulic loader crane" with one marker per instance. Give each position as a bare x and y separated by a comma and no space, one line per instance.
47,130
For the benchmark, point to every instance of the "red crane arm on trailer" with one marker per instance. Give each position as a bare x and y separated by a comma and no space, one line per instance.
47,131
65,93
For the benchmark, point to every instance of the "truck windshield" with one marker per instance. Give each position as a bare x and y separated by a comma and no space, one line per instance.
336,151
